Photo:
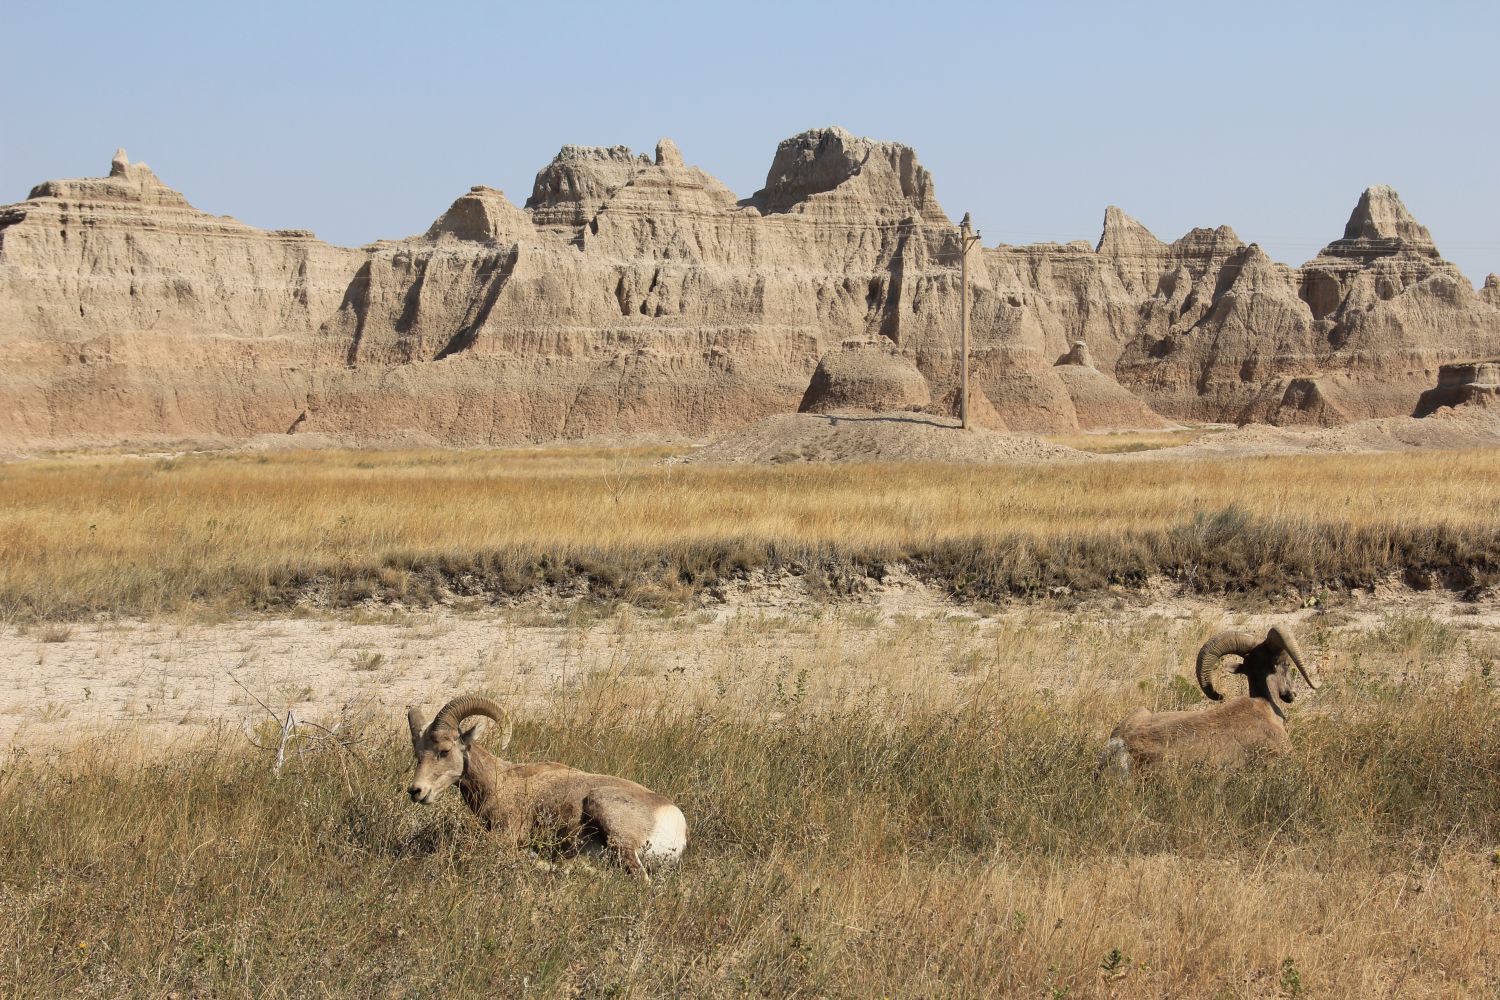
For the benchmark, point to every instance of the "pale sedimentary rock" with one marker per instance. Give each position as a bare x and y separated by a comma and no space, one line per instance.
865,375
1359,331
1475,383
636,293
1078,355
125,312
1101,403
1491,291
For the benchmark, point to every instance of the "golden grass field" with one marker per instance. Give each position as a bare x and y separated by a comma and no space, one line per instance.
133,535
880,805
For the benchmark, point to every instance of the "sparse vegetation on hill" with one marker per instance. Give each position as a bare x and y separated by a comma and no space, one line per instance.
233,531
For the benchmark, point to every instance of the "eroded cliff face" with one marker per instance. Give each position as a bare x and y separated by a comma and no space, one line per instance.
644,297
635,294
1359,331
1490,293
126,312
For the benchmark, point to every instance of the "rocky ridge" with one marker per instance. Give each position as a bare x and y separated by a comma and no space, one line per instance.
636,294
1358,331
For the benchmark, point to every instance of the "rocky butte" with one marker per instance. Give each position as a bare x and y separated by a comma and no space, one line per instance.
635,294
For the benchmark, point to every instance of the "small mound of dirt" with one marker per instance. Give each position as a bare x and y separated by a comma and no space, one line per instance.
982,412
1033,400
875,437
1102,403
869,376
1460,427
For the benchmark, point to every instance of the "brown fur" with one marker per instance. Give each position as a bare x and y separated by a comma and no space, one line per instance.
539,803
1222,734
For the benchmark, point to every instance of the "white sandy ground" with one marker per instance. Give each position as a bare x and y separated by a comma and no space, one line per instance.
175,679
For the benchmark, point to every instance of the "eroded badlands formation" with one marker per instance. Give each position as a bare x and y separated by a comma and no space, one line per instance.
636,294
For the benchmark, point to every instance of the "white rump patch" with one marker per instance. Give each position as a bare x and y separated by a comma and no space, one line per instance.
1116,756
668,837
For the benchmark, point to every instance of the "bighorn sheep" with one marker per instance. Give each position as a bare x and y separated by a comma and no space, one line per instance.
1221,733
590,812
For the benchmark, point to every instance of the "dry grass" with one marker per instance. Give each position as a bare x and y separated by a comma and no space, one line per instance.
1126,442
917,820
131,535
858,830
54,633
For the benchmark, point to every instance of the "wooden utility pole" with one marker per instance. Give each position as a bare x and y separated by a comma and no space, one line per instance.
966,239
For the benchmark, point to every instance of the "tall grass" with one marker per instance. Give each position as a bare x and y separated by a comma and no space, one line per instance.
953,851
923,822
124,534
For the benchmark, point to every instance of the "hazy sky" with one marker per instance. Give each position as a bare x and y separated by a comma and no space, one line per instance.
363,121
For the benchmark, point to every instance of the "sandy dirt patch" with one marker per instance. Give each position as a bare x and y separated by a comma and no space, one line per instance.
184,678
875,437
1463,427
919,437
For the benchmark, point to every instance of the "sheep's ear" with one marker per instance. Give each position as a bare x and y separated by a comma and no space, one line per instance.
467,735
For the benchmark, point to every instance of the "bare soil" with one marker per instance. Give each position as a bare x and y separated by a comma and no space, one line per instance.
875,437
182,678
920,437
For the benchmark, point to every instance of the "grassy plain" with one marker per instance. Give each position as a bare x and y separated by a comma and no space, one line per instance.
921,821
880,805
235,531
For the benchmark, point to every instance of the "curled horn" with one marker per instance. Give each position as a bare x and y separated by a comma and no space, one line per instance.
1222,645
414,715
1282,639
460,708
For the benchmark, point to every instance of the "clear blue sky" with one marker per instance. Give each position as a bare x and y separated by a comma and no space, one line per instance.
365,120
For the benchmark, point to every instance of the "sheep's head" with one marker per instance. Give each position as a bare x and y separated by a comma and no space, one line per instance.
442,748
1266,663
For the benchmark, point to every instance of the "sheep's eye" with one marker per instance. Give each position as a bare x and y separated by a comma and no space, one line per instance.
442,753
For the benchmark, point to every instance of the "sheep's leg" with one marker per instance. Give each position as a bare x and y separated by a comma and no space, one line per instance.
624,847
614,820
632,860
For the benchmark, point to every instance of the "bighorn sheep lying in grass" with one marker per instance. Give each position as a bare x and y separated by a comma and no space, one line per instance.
1221,733
525,801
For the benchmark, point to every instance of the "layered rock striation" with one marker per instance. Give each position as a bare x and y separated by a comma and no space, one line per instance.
126,313
1473,384
1358,331
636,293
